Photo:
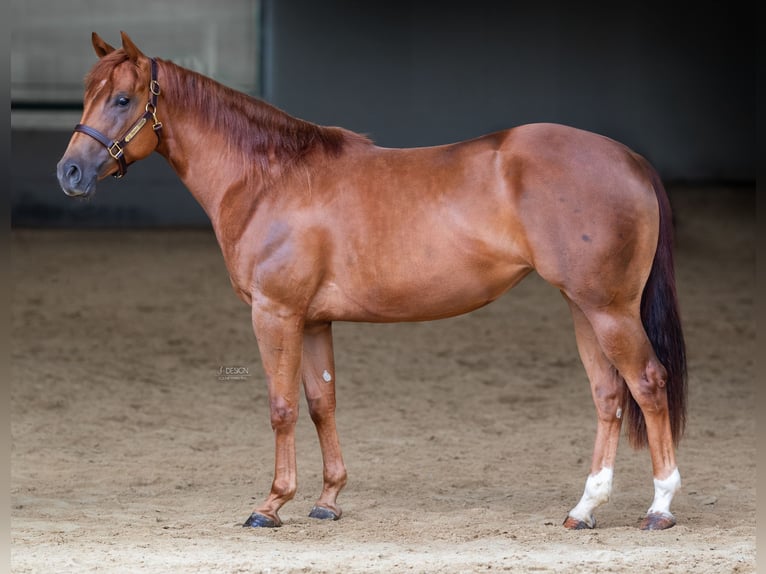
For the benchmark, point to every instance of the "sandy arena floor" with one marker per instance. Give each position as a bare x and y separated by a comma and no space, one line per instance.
467,440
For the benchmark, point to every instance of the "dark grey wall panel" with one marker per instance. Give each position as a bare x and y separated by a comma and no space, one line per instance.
674,81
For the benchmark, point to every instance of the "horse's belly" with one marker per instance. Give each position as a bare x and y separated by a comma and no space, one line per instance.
416,291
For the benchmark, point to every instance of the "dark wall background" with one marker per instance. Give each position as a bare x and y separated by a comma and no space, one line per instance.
675,81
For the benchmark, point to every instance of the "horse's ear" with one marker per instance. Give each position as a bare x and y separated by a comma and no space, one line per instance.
101,47
130,48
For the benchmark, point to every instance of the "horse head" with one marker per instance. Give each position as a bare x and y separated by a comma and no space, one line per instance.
121,95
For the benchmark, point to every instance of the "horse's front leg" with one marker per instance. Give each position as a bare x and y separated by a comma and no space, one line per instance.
280,338
318,371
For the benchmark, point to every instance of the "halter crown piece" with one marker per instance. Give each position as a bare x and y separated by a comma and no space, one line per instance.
116,147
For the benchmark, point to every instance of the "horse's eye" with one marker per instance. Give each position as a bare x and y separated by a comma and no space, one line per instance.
123,101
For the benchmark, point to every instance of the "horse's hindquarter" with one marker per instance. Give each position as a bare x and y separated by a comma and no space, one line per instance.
588,210
419,234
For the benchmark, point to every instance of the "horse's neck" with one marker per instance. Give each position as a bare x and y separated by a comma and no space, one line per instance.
216,138
203,161
226,146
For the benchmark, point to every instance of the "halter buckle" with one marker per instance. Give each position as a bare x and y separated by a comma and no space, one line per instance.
115,150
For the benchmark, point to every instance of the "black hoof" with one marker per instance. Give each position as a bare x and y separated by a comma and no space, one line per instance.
260,521
323,513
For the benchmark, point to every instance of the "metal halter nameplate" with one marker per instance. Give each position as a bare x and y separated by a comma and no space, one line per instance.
135,129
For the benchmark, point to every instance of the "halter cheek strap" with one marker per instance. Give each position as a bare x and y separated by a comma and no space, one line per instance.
116,147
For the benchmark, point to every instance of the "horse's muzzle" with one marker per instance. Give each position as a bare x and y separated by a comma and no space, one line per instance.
73,179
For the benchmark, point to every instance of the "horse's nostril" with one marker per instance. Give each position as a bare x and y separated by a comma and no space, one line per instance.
73,174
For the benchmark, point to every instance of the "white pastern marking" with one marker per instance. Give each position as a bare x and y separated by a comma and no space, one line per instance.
663,493
327,377
598,488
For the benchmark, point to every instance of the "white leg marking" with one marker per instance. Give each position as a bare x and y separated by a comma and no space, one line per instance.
598,487
663,493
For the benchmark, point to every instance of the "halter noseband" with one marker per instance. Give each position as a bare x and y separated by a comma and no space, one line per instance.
116,147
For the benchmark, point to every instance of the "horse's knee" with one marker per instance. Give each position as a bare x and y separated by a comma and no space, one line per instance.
321,409
283,414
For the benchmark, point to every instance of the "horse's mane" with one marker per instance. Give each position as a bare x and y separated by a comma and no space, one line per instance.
255,128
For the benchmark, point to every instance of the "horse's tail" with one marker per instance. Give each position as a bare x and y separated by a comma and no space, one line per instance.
662,323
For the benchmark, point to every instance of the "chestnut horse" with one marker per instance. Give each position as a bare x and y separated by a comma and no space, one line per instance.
317,224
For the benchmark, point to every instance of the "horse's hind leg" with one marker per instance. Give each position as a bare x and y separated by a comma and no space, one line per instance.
621,336
318,371
608,389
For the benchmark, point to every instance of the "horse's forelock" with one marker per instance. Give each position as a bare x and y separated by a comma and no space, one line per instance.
102,70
